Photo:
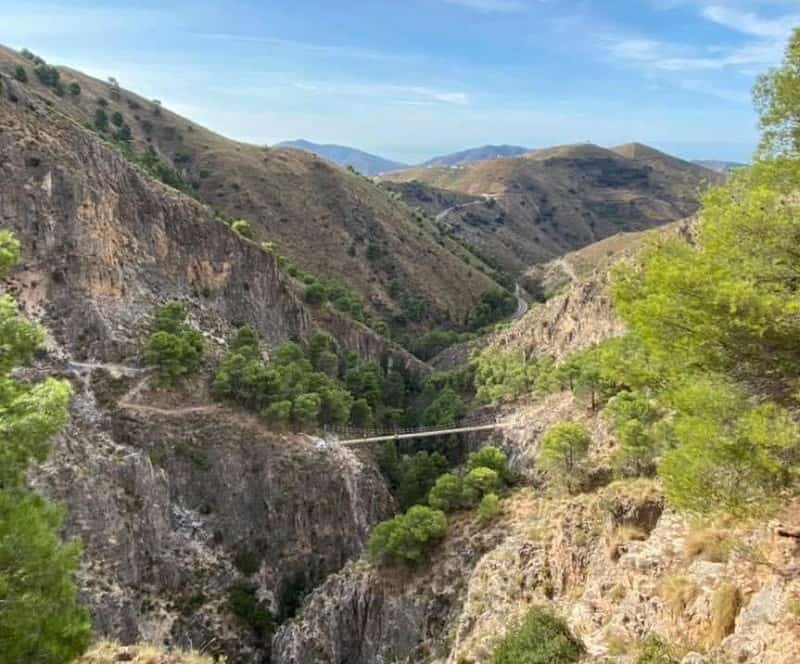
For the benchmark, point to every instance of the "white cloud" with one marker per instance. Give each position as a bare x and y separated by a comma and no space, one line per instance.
491,6
396,94
749,23
323,50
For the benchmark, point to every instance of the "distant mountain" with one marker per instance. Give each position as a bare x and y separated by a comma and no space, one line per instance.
528,210
476,154
363,162
719,166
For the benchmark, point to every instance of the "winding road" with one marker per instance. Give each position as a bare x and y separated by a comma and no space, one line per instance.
522,305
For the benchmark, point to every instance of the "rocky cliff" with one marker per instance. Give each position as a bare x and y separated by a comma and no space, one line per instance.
615,562
180,503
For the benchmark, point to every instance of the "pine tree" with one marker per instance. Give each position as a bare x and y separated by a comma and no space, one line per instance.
40,620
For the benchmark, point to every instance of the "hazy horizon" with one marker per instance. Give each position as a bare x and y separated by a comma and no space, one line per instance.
426,77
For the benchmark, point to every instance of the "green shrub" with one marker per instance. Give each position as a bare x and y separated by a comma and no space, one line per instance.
116,119
541,638
243,602
20,74
287,389
447,494
505,375
316,293
47,75
489,508
563,448
40,617
654,650
74,88
489,457
247,561
156,167
100,120
634,417
361,413
434,342
494,305
123,134
278,412
407,537
242,227
445,410
416,475
480,481
173,347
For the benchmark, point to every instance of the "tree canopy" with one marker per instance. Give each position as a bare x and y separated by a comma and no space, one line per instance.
40,619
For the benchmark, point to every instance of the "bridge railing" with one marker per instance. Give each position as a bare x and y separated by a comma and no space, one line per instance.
370,433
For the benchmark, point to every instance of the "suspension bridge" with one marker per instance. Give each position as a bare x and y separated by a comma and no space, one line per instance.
351,436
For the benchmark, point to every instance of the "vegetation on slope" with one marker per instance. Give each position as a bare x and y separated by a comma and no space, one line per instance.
336,224
704,385
519,212
40,619
540,638
408,537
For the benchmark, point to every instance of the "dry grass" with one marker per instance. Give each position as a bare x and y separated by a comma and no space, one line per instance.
725,605
678,591
711,544
618,592
107,652
618,645
621,536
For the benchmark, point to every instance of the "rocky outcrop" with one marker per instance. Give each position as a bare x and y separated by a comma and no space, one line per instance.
367,615
567,323
177,500
614,564
103,244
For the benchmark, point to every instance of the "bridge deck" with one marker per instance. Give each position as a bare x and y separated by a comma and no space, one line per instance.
421,434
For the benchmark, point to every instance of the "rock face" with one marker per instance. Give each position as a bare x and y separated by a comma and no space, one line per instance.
614,562
103,244
327,221
178,501
608,563
364,615
173,507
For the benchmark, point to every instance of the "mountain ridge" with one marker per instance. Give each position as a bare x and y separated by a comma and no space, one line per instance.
361,161
324,221
524,211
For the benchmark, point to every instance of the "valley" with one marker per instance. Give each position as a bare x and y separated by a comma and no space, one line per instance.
506,406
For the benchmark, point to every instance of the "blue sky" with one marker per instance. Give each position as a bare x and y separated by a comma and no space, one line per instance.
412,78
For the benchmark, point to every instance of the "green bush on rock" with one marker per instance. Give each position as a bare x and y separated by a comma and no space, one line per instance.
173,347
541,638
407,537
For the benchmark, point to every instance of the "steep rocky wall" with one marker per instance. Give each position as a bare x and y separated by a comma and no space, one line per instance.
103,244
174,497
614,562
577,319
169,500
608,563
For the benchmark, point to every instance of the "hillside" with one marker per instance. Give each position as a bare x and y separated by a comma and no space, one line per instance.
528,210
719,166
167,488
325,220
362,162
470,155
633,578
